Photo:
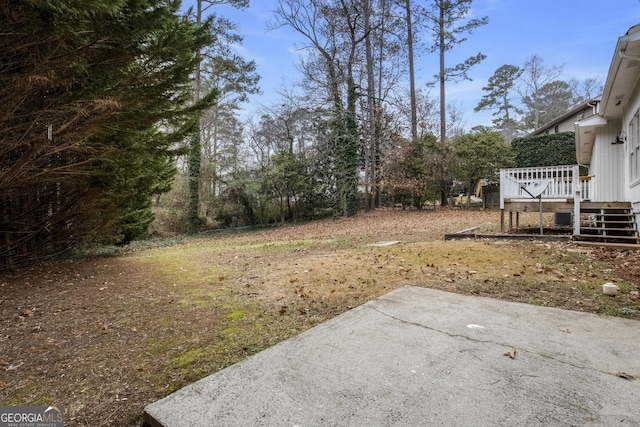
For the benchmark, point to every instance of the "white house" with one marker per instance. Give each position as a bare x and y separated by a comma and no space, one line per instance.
607,132
610,142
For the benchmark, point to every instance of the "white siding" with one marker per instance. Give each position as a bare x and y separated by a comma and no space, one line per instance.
607,165
632,189
566,126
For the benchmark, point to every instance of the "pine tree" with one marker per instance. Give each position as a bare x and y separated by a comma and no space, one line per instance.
95,95
449,20
498,97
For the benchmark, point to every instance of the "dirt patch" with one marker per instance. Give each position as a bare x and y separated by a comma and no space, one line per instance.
106,336
625,264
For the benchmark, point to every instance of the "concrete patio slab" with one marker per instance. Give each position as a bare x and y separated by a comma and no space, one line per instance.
421,357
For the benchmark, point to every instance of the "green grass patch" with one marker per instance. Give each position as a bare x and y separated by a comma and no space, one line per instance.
197,297
161,345
189,358
275,246
30,396
235,315
246,330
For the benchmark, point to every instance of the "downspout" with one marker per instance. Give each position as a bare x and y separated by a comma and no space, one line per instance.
595,108
578,193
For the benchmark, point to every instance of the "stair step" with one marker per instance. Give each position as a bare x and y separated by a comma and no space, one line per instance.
609,214
633,246
600,237
608,226
612,222
629,228
606,211
609,218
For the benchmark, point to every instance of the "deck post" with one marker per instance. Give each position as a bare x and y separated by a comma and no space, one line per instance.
503,183
576,200
502,220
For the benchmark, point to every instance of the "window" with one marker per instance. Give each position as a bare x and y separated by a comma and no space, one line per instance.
634,148
556,129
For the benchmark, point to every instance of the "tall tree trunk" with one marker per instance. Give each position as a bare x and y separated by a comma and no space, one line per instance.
195,149
338,135
351,138
444,201
370,170
443,110
351,158
412,78
194,160
377,155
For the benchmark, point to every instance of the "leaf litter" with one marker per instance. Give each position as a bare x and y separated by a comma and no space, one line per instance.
107,336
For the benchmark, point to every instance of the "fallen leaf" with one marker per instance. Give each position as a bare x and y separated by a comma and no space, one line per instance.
2,383
511,354
625,376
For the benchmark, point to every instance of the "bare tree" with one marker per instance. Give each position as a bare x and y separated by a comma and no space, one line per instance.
334,30
387,36
426,108
412,76
383,56
194,159
535,76
585,90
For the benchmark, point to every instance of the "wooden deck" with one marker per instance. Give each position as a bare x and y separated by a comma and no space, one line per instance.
557,205
560,189
598,222
542,189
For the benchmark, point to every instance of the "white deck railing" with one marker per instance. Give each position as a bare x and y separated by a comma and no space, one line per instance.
586,188
560,183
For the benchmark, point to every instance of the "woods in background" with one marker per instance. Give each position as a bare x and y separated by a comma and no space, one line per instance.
118,116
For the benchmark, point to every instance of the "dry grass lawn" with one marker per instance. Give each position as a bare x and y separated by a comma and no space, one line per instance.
104,336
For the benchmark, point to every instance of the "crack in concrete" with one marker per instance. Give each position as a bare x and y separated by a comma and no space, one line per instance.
524,350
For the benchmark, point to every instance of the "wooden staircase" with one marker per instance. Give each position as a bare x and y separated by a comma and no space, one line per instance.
608,223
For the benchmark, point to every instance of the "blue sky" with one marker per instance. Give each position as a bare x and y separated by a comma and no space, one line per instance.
580,35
